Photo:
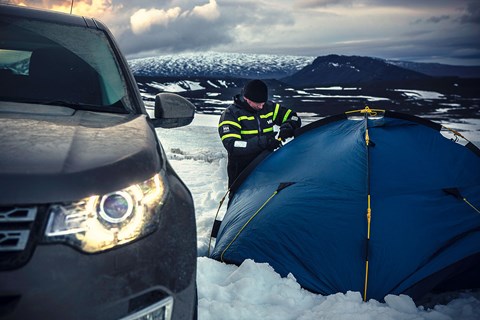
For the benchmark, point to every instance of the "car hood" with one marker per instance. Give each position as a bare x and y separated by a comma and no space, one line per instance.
70,154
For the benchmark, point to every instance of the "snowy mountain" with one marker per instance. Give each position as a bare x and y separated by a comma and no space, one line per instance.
439,70
350,70
219,65
265,66
324,85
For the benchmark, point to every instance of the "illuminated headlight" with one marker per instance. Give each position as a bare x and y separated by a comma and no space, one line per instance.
116,207
101,222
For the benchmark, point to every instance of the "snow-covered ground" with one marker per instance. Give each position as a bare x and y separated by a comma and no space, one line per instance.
254,290
421,94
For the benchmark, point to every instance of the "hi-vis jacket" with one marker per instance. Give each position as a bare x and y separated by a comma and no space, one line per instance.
245,131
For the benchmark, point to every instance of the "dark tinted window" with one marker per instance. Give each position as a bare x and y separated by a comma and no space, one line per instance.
44,62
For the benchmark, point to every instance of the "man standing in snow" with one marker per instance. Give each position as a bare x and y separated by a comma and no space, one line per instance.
246,127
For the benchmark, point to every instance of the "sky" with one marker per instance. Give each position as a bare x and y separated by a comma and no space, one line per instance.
443,31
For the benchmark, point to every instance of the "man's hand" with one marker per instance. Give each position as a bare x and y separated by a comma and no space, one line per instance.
273,143
286,131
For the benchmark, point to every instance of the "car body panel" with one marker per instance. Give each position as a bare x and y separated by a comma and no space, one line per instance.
92,150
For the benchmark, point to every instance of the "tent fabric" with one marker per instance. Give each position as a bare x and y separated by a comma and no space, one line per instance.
423,190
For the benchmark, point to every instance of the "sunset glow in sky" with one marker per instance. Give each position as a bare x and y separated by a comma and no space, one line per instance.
445,31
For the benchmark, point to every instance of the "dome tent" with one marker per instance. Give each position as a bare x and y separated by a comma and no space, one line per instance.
371,201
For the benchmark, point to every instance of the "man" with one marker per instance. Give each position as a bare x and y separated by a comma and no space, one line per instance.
246,127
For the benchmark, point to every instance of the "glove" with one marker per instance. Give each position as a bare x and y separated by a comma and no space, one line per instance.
273,143
286,131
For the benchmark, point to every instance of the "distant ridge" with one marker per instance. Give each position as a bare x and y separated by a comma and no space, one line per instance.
350,70
439,70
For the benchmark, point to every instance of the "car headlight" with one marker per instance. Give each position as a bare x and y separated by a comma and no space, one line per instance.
101,222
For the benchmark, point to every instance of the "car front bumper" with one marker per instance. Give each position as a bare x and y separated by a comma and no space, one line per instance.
60,282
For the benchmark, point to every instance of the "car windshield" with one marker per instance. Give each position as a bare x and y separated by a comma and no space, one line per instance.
57,64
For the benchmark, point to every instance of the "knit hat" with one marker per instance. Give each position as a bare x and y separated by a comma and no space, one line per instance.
256,90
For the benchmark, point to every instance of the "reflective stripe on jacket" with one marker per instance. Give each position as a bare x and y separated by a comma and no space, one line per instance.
244,131
239,121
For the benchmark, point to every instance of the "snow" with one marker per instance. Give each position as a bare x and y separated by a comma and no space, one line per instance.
332,88
328,96
219,64
421,94
302,94
254,290
180,86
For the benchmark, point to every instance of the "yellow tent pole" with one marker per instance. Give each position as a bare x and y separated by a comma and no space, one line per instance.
471,205
279,188
367,111
369,219
246,223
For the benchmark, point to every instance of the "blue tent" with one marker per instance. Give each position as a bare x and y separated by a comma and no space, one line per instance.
371,201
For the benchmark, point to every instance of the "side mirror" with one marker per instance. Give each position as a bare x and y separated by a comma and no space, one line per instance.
172,110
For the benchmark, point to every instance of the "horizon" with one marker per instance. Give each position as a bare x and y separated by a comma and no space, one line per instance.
445,31
288,55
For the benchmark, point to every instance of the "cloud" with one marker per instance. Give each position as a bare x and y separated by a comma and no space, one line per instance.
143,20
309,4
206,25
208,11
90,8
181,28
435,19
301,27
197,26
472,14
438,19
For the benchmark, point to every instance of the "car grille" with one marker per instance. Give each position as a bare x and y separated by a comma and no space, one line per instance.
20,230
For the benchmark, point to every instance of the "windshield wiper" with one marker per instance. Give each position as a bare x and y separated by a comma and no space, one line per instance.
117,107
